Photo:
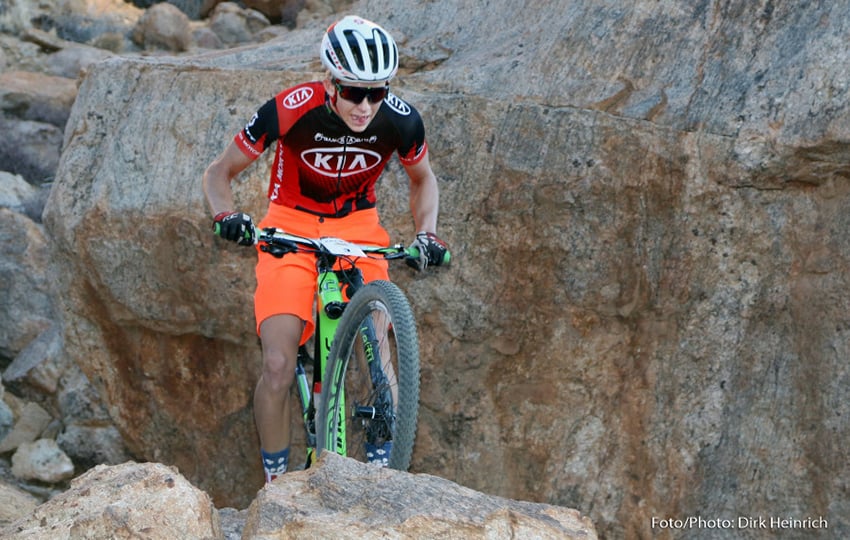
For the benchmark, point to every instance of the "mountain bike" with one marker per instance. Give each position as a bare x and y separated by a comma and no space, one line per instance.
365,348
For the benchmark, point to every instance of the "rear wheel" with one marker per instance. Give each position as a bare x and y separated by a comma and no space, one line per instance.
370,394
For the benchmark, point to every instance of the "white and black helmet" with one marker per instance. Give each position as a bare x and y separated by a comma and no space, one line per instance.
357,50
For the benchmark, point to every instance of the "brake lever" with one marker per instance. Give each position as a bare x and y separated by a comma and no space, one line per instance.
278,250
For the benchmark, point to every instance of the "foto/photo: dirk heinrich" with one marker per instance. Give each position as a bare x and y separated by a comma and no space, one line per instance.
741,522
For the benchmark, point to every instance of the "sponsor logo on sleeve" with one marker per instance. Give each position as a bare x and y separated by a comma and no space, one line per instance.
397,104
248,126
298,97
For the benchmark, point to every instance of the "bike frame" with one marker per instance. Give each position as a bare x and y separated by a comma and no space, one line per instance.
329,309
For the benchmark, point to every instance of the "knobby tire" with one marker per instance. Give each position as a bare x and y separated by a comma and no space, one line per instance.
381,306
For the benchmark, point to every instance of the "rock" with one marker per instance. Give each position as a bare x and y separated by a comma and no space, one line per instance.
7,419
37,97
278,11
40,364
89,446
205,38
232,522
42,460
344,499
163,26
209,424
337,498
31,421
72,61
36,161
15,193
235,25
85,434
26,306
47,41
16,17
14,503
85,21
195,9
78,401
129,500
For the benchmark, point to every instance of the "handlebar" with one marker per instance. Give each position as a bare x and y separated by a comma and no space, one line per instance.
280,242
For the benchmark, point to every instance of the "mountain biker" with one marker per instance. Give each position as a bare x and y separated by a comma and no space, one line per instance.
333,139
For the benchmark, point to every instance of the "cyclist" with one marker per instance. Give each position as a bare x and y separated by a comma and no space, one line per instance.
333,139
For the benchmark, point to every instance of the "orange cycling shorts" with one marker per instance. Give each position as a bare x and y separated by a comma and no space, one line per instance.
288,285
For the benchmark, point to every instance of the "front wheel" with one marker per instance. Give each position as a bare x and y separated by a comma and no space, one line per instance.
370,394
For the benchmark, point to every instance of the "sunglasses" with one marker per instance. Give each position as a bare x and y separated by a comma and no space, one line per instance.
356,94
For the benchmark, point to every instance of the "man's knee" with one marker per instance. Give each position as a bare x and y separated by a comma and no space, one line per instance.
280,335
278,370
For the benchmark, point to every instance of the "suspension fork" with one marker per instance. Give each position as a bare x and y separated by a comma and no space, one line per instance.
380,412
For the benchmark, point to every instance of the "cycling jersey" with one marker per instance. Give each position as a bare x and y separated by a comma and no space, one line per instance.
320,165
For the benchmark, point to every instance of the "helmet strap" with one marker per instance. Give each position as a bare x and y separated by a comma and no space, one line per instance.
333,99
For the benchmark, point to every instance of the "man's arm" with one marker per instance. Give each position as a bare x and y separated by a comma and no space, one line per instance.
220,174
424,195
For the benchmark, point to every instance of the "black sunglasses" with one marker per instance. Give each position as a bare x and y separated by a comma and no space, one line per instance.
356,94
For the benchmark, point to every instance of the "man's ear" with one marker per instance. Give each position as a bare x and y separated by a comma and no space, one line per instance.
329,86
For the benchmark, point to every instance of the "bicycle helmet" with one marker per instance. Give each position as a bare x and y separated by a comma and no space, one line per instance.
356,50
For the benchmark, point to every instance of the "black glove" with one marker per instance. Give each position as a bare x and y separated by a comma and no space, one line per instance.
236,227
432,251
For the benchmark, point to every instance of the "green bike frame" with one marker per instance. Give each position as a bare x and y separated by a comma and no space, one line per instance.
329,310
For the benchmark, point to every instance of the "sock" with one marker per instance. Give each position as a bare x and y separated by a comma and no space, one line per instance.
379,455
275,464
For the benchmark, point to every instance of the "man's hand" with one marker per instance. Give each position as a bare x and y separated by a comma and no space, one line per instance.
432,251
236,227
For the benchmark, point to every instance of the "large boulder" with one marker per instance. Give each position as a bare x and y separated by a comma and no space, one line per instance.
178,383
344,499
131,500
647,315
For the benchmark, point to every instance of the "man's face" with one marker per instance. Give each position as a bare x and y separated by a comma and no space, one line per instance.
353,102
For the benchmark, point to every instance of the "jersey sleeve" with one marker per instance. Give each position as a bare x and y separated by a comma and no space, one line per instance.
412,145
260,131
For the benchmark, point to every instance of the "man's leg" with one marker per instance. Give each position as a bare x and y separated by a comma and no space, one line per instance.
280,336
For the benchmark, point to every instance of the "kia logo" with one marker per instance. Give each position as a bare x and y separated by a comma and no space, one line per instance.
298,97
340,161
397,104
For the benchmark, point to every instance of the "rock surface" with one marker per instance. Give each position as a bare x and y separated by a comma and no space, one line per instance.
337,498
123,501
16,504
344,499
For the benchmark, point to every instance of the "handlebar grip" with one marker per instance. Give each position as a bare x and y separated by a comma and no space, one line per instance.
217,231
413,253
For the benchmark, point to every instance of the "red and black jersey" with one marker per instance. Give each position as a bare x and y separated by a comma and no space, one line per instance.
320,165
